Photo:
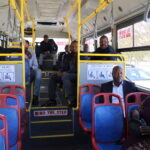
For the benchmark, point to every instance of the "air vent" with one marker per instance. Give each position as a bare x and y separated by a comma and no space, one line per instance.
47,23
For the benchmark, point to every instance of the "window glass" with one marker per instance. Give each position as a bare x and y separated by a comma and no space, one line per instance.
125,37
91,45
137,67
141,34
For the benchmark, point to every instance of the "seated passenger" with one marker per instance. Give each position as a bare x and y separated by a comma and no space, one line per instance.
48,47
68,66
62,56
104,49
85,50
35,72
139,128
118,86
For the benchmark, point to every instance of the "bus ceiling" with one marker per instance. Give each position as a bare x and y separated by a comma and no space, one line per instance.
52,12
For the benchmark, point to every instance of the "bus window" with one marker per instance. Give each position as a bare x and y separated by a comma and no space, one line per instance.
91,45
136,68
141,36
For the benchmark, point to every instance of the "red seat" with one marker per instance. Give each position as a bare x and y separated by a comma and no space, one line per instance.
131,105
10,107
85,111
18,91
107,122
4,133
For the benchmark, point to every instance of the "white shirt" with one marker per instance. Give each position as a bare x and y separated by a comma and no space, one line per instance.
119,91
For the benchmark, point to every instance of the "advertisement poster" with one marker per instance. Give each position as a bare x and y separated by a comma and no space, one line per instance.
7,73
99,71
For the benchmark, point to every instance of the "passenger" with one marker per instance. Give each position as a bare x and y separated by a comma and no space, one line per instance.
62,56
139,128
67,66
85,50
118,86
35,72
104,49
48,47
69,77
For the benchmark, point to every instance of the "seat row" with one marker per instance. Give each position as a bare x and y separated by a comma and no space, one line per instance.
105,119
12,117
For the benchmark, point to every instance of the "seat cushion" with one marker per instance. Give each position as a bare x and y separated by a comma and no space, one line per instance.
21,98
86,107
109,146
2,142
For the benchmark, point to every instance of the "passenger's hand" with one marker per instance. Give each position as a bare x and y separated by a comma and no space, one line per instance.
47,52
59,74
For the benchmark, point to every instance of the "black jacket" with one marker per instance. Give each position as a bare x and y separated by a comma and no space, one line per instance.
108,50
50,46
70,64
128,87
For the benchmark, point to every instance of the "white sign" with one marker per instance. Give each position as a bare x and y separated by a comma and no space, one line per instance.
99,71
7,73
41,113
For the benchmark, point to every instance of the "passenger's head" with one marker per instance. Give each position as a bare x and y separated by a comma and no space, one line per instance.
67,48
117,74
45,38
103,42
135,115
74,47
86,48
26,44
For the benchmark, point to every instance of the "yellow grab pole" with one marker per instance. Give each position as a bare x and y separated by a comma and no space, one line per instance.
101,7
68,29
13,5
33,34
22,36
78,59
74,4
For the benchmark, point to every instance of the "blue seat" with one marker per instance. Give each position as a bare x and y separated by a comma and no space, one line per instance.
3,133
108,125
9,107
86,110
85,114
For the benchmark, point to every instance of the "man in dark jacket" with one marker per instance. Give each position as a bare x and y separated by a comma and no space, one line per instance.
69,66
47,47
104,49
118,86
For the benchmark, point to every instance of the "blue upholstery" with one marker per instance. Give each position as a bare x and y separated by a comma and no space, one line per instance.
130,108
14,147
109,146
109,124
12,118
86,107
21,99
2,142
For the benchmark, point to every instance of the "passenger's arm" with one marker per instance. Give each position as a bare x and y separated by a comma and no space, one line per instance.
145,130
35,63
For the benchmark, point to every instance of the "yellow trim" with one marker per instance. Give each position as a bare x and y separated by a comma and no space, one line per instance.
10,62
33,35
101,61
100,8
50,121
14,54
57,107
46,60
51,136
45,78
14,46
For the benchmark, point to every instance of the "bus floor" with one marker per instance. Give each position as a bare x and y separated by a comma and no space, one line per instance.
80,142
